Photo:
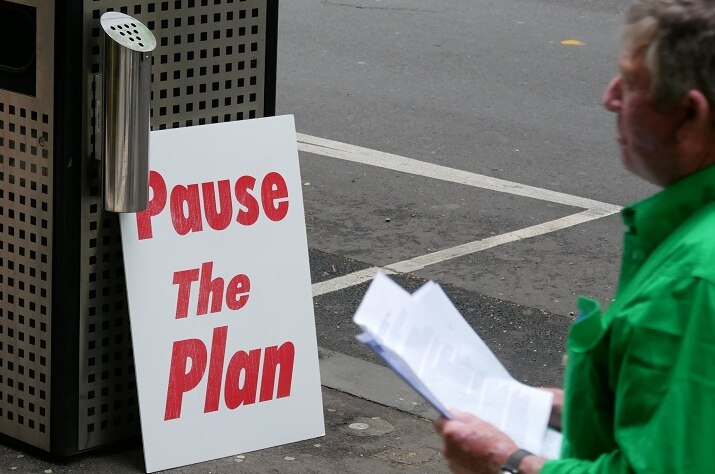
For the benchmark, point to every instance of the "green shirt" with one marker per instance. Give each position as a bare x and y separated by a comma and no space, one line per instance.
640,379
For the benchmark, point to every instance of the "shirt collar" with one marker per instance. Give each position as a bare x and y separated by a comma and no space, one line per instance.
650,221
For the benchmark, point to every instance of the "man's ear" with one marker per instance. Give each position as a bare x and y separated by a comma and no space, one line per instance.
696,127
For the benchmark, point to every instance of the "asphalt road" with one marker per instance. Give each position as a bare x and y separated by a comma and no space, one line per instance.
483,86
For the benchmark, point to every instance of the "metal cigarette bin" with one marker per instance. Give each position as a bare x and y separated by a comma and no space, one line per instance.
67,382
127,94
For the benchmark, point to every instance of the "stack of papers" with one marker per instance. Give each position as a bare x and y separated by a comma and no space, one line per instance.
425,340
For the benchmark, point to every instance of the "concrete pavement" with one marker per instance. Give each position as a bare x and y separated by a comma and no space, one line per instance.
382,440
374,423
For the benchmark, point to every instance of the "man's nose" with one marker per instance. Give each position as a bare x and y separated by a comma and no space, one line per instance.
613,95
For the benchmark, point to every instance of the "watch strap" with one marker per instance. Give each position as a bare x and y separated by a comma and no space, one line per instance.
511,465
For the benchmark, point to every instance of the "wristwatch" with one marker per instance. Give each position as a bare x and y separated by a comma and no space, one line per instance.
511,466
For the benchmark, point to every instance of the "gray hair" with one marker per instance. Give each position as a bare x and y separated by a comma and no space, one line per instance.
677,39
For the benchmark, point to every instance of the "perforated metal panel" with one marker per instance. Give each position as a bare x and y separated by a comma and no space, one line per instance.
26,206
209,67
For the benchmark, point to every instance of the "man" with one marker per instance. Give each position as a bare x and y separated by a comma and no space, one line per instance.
640,379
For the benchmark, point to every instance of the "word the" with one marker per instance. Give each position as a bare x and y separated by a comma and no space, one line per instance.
237,292
193,205
238,390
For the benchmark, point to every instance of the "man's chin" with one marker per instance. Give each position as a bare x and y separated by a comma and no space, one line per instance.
631,165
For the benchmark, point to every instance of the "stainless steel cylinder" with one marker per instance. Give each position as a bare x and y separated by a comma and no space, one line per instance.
127,96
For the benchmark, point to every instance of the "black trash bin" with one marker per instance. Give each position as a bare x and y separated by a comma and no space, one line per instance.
67,380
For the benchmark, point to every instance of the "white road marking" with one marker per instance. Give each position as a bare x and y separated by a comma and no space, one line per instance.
419,263
346,281
371,381
344,151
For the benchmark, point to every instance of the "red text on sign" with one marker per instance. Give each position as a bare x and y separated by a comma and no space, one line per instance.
189,361
193,206
237,290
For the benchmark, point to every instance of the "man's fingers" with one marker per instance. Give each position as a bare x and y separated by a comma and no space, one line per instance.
557,392
462,415
457,416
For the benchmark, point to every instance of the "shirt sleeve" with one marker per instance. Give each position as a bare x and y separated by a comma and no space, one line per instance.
662,372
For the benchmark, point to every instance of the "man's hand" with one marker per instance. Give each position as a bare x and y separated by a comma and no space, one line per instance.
557,407
473,446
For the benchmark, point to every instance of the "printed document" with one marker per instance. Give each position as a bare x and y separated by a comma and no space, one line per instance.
425,339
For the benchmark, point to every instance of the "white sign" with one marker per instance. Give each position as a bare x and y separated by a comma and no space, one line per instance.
220,295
